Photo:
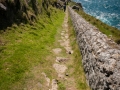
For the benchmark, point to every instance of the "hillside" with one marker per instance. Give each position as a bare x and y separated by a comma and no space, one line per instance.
38,48
17,11
27,45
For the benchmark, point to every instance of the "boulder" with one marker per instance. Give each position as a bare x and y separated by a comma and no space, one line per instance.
80,5
75,7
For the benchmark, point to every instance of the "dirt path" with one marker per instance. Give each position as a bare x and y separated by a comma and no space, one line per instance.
58,72
65,80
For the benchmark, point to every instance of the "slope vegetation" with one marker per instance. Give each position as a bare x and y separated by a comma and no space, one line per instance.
111,32
24,49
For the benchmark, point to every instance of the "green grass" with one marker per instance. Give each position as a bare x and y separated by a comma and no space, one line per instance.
61,86
104,28
78,74
25,47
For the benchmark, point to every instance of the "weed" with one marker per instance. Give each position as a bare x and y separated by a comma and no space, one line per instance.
61,86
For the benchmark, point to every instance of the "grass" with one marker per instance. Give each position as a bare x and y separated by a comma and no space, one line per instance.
78,74
104,28
61,86
25,47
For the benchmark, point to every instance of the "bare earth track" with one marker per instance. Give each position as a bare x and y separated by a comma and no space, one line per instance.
63,62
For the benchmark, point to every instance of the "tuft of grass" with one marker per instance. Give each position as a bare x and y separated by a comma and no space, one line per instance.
27,46
61,86
79,73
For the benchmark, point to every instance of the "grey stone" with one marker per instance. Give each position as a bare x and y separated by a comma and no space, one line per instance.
100,55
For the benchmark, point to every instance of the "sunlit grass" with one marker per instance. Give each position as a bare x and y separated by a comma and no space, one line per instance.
26,46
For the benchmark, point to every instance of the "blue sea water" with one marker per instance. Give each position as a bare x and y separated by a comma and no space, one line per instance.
108,11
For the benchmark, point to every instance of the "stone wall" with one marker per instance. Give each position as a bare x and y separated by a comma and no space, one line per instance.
100,55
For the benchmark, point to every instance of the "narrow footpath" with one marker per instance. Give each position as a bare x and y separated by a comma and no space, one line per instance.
63,60
67,72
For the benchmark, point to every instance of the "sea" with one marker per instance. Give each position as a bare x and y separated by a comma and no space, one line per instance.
108,11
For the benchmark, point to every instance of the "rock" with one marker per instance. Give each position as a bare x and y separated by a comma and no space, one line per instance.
66,74
69,52
39,85
57,50
20,11
54,85
61,59
75,7
47,79
3,7
80,5
100,55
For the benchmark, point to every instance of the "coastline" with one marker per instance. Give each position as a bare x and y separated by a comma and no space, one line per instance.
112,32
101,12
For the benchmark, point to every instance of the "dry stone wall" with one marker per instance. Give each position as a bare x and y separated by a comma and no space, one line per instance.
100,55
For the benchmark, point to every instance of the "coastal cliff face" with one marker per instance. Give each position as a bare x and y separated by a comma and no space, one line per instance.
17,11
100,55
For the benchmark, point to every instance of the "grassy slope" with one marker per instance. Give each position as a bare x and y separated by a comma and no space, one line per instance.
26,46
78,68
104,28
111,32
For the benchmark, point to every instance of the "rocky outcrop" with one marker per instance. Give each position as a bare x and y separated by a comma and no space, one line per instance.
100,55
77,6
17,11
